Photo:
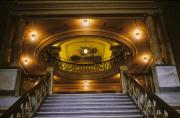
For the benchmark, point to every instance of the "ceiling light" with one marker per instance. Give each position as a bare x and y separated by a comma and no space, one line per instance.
85,22
85,51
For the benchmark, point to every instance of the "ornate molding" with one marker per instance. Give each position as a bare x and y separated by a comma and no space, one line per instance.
96,32
86,7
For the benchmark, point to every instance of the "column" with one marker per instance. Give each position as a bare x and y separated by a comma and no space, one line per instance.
50,83
17,43
155,48
153,40
123,78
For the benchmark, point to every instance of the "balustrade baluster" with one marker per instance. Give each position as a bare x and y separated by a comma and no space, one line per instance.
26,106
62,65
150,104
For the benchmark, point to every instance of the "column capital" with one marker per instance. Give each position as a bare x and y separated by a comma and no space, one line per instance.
123,68
50,69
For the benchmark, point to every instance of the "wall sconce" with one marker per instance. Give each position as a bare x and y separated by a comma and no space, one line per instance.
145,59
85,22
26,61
85,83
137,34
33,35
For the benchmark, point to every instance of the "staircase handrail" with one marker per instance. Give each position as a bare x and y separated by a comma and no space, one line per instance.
149,103
94,67
28,103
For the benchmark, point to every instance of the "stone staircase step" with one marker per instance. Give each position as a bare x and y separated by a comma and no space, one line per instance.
90,94
112,116
89,107
88,100
87,97
89,103
99,105
90,112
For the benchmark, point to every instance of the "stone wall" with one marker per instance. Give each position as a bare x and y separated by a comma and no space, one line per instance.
8,81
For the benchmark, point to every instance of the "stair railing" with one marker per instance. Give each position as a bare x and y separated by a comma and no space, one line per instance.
94,67
149,103
28,103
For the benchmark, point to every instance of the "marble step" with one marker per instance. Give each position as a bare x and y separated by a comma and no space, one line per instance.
89,107
86,116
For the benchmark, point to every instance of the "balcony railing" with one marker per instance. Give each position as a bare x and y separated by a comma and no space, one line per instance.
28,103
95,67
149,103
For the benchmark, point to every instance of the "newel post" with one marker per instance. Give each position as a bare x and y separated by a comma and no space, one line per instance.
123,78
50,83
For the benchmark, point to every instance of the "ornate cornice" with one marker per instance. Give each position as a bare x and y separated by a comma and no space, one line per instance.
83,7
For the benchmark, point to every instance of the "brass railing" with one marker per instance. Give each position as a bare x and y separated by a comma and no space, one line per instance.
149,103
95,67
28,103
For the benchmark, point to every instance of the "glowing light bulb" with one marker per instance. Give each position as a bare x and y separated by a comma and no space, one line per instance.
33,35
85,83
26,61
85,22
145,59
85,51
137,34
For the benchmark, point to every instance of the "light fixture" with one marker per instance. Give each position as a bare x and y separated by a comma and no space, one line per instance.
85,22
85,82
138,30
36,83
145,59
26,61
137,34
33,35
85,51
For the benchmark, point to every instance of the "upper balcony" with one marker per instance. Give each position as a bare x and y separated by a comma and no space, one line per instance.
94,56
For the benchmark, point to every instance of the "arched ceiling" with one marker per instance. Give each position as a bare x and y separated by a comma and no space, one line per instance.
99,49
121,29
75,45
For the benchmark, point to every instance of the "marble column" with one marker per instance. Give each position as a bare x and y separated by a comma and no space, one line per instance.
50,83
155,48
17,43
153,40
123,78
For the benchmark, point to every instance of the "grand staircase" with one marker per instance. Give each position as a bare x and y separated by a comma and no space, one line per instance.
97,105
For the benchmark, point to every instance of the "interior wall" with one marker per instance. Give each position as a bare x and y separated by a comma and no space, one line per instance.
67,85
3,23
171,14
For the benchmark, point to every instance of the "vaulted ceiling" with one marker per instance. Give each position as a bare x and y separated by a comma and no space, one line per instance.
121,29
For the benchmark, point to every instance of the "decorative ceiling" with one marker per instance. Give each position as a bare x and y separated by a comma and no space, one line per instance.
121,29
96,47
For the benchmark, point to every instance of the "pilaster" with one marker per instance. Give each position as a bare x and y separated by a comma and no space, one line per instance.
17,43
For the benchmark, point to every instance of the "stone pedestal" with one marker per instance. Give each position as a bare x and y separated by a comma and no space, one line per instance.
10,81
166,77
123,81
